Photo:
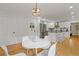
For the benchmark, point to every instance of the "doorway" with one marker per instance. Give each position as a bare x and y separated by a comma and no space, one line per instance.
74,29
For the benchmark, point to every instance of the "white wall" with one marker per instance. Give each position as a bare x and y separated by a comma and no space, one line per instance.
74,31
12,23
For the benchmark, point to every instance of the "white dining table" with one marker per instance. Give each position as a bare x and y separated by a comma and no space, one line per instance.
41,43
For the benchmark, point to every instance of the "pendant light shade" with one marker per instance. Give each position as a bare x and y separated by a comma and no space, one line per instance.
35,11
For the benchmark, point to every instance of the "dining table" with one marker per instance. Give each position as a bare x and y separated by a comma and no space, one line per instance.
37,43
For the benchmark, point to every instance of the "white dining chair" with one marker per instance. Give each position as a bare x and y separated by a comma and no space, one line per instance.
50,38
45,50
43,53
52,50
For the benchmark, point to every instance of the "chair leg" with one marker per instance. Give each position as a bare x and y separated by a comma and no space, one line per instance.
36,51
27,51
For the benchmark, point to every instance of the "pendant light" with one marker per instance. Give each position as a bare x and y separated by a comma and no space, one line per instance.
35,10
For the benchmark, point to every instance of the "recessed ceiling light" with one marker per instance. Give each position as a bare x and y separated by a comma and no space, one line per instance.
71,7
72,13
72,16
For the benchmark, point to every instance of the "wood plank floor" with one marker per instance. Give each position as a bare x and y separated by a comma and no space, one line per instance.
17,48
1,52
68,47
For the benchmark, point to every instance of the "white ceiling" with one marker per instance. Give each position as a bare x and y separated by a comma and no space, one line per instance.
51,11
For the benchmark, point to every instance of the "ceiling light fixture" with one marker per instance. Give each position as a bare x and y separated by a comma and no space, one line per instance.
72,13
73,16
70,7
35,10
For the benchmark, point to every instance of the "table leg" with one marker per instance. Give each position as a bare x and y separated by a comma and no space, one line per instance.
27,51
36,51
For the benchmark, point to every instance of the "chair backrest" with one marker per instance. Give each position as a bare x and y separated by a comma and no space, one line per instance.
46,37
50,38
52,50
25,38
59,37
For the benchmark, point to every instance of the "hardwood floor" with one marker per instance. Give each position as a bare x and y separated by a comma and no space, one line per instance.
17,48
1,52
68,47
